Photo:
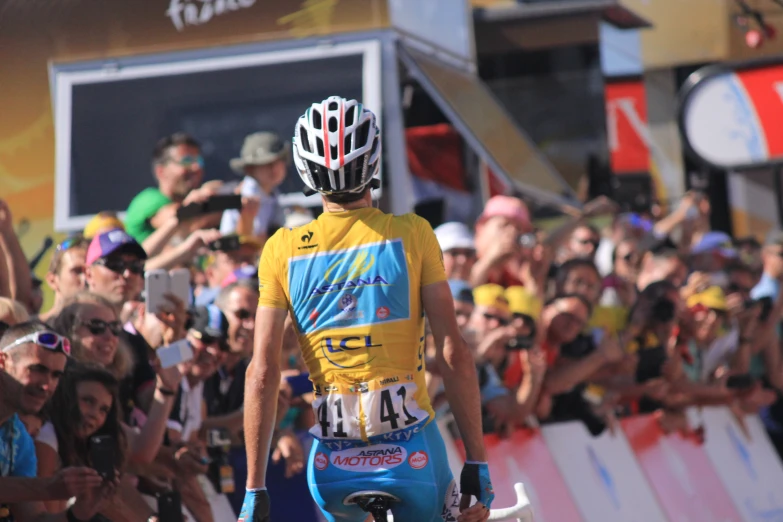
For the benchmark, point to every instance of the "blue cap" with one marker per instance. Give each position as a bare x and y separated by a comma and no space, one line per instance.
461,291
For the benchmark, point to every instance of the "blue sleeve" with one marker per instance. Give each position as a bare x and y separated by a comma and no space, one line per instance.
25,461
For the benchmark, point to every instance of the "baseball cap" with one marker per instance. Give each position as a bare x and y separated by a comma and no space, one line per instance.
461,291
116,240
209,321
715,241
523,302
454,235
491,295
102,222
243,272
507,206
260,148
713,298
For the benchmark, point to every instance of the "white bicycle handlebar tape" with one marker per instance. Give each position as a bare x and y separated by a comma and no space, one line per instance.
521,512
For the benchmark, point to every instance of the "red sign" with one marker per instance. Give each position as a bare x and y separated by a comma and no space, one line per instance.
764,87
524,457
418,459
626,125
680,473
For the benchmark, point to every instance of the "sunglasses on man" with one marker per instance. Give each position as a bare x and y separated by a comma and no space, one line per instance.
119,266
48,340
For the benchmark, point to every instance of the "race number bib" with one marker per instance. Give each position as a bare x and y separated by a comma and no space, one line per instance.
370,412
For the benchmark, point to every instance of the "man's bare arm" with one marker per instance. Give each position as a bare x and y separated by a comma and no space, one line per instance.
20,489
457,368
262,384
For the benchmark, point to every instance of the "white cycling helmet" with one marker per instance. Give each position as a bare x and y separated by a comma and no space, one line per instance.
337,147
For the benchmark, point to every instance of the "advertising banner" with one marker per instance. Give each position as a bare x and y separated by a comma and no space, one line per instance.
626,121
747,466
730,116
680,473
524,457
602,475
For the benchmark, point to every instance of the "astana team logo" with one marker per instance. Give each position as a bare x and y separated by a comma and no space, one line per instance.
347,303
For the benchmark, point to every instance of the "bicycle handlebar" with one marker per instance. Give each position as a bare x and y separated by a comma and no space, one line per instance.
521,512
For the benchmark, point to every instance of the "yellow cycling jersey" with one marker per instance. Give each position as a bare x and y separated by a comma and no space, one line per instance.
352,282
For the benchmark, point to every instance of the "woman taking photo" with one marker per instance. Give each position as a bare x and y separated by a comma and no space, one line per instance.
94,328
86,406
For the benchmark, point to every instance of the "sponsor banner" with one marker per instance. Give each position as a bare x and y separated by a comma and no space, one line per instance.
746,463
524,457
626,125
730,117
680,473
602,475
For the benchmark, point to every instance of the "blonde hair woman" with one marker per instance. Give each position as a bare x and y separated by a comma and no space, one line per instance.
93,327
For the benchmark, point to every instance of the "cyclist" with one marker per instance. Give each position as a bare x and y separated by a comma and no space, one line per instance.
357,283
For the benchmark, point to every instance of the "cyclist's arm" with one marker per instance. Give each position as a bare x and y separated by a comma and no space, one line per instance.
262,383
456,366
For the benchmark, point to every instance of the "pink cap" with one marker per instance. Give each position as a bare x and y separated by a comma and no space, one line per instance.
507,206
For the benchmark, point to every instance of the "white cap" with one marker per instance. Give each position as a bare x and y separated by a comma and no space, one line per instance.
454,235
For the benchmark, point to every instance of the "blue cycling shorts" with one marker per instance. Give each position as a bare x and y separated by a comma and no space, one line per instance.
416,471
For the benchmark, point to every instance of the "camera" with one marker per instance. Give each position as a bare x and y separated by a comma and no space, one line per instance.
521,342
528,240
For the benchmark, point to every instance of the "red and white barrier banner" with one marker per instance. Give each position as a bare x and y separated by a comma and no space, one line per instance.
602,474
680,473
746,463
525,458
639,473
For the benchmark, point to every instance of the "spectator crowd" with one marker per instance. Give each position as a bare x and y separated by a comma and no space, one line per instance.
609,314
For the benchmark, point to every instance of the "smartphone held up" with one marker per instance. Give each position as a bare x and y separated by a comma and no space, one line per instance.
159,282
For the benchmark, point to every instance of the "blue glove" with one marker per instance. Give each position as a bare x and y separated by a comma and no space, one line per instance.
474,480
255,507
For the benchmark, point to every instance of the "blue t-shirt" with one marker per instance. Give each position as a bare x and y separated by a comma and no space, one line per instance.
17,452
766,287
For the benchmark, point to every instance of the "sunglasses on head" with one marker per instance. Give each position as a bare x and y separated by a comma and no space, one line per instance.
502,321
69,242
99,326
119,266
49,340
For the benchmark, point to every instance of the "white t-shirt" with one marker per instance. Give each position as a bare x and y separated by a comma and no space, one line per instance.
47,435
189,410
270,211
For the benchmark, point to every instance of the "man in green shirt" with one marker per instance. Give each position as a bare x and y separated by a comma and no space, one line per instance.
179,169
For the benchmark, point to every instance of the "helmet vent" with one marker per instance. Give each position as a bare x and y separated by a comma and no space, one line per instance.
305,138
319,143
316,120
332,124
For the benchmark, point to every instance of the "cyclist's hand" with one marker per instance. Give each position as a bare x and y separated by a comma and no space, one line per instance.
255,507
474,481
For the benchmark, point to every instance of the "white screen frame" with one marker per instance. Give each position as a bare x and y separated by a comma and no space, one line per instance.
64,78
